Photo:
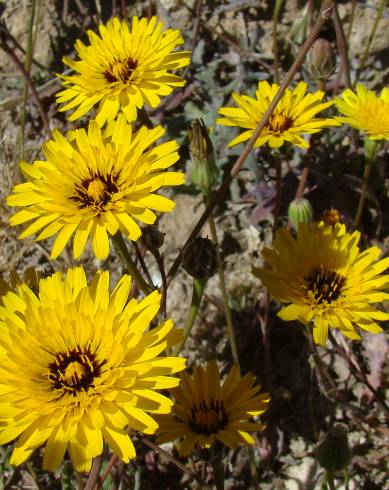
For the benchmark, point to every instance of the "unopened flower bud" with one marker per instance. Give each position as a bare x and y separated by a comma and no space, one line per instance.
204,171
333,453
199,258
299,211
321,60
152,238
331,217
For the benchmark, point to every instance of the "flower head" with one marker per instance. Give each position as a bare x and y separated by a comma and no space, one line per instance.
95,183
366,111
293,116
206,410
123,69
78,365
326,279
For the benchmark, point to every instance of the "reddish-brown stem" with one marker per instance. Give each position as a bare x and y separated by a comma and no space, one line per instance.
94,473
114,459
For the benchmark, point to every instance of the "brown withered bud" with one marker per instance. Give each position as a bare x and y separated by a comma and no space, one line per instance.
199,258
152,238
331,217
204,171
321,60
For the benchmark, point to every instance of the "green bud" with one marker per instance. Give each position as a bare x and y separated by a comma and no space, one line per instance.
299,211
333,453
199,258
152,238
204,171
321,60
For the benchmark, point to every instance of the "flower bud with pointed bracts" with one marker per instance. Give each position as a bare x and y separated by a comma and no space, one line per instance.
321,60
199,258
299,211
152,238
204,171
333,453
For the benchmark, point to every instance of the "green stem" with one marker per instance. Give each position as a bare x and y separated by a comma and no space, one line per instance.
370,157
223,289
197,294
370,40
121,248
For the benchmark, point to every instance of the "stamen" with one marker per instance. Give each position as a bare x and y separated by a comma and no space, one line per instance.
326,286
208,418
279,123
74,371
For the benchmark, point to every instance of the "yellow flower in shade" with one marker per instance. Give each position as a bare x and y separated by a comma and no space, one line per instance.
366,111
293,116
79,366
123,69
326,279
95,183
206,410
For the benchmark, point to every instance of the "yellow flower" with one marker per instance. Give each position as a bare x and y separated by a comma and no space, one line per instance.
206,410
123,69
326,279
366,111
293,116
95,183
78,366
